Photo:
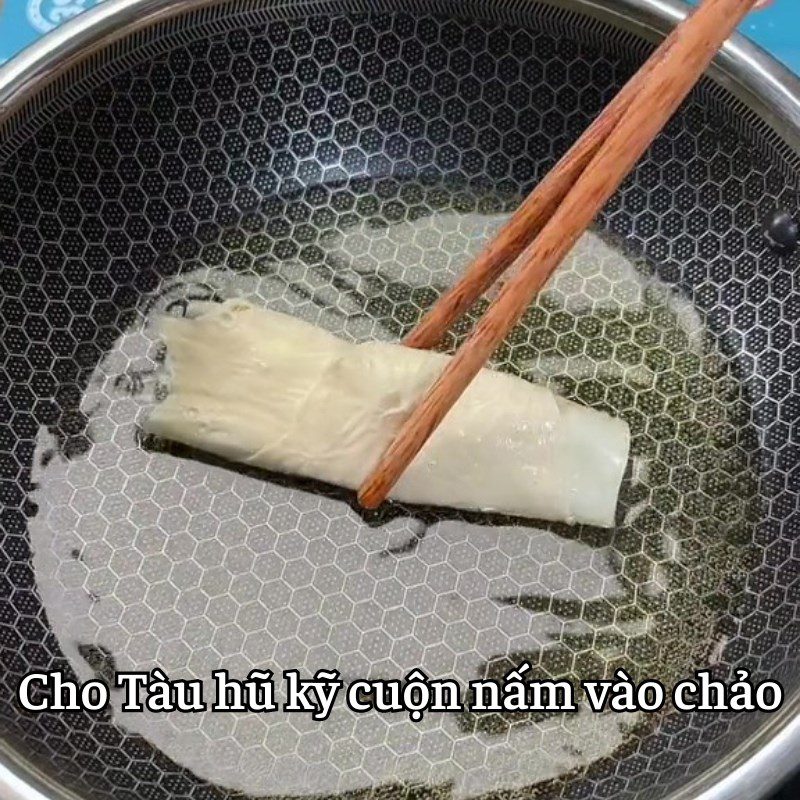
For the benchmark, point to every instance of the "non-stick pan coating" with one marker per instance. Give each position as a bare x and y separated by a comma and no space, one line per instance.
294,159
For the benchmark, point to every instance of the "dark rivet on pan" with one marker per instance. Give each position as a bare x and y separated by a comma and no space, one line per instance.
782,232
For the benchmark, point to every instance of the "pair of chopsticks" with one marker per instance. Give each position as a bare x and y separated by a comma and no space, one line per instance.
550,221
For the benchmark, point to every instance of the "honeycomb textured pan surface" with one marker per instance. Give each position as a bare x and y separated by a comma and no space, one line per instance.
343,169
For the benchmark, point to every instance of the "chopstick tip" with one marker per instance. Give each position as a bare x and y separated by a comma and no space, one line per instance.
370,496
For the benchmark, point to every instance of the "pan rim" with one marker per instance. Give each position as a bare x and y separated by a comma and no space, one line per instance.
768,88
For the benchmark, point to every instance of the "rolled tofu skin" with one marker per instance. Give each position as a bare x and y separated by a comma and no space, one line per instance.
264,388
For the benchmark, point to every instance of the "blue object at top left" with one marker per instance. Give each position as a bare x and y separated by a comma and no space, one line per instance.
22,22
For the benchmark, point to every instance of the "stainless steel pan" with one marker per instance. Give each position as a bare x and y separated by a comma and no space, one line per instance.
341,161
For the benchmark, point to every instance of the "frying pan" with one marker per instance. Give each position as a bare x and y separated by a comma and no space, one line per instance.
341,162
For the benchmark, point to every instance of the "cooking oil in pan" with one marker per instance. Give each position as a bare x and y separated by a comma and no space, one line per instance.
146,556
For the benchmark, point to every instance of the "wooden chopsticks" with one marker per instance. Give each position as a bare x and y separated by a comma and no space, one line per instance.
531,216
550,222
